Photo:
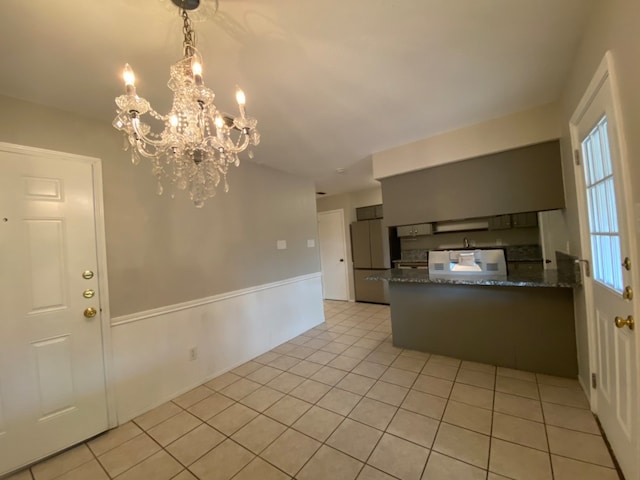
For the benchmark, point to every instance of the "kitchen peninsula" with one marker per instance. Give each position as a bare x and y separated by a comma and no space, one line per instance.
524,320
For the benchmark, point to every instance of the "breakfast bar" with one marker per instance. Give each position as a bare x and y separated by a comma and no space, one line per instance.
522,320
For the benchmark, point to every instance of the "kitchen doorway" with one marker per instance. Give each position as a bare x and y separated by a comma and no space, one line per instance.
54,323
607,240
333,255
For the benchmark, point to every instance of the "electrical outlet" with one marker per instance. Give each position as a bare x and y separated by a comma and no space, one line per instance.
281,244
311,243
193,354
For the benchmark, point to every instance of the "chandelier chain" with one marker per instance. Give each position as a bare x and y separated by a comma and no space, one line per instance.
189,43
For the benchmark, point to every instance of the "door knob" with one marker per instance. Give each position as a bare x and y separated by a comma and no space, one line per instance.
90,312
627,293
625,322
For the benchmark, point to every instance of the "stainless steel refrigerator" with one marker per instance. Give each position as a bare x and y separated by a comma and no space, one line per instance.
371,254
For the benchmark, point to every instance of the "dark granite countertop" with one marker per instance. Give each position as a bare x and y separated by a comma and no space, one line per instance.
547,278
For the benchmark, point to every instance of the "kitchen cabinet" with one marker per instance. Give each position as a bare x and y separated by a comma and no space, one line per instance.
527,219
415,230
369,290
527,179
369,213
500,222
371,254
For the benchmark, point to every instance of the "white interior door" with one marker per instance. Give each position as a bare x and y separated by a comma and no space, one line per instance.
607,239
52,375
333,255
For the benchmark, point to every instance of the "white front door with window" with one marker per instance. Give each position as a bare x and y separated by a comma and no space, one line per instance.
333,255
52,375
607,239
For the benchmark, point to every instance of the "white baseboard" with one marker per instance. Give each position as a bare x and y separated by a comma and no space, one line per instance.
151,349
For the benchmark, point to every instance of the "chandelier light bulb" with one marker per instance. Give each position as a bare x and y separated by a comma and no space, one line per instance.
240,97
173,120
196,68
129,79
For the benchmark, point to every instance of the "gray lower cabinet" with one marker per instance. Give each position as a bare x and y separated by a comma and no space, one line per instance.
375,291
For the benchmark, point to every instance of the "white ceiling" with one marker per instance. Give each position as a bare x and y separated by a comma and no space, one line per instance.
330,81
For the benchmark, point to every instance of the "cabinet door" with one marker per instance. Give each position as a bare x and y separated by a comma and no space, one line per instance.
423,229
360,245
365,213
405,231
379,240
528,219
369,290
500,222
378,210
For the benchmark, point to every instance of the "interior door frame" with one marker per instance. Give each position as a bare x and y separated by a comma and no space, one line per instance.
345,245
605,70
101,258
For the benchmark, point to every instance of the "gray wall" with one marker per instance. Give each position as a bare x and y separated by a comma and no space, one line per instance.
613,26
162,251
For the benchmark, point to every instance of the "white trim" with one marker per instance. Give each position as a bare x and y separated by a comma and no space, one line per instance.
101,259
345,242
135,317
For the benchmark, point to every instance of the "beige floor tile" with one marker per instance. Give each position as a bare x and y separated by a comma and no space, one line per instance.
409,363
305,369
127,455
433,385
382,358
355,439
519,374
62,463
479,397
328,463
569,397
262,398
283,349
367,343
258,469
514,386
258,433
288,409
370,369
387,393
467,416
404,378
321,357
342,362
113,438
291,451
516,461
518,406
26,475
264,374
159,466
568,469
286,382
347,339
373,413
240,389
470,447
478,367
495,476
414,427
398,457
370,473
415,354
450,361
476,379
232,419
578,445
354,383
316,343
222,381
284,362
267,358
558,381
210,406
570,417
310,391
173,428
185,475
441,467
425,404
87,471
339,401
335,347
318,423
301,352
192,396
223,462
328,375
440,370
520,431
190,447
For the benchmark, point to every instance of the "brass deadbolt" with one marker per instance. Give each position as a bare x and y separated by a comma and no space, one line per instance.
90,312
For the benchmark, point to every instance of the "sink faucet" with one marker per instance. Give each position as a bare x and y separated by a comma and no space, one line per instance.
466,242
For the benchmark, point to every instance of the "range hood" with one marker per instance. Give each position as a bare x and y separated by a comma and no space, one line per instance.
461,225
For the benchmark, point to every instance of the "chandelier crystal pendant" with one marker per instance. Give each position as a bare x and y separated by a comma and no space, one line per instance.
198,143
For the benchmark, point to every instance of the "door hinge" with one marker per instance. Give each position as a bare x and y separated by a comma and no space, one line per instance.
576,156
594,382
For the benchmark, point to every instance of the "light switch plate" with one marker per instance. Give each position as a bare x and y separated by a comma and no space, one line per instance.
311,243
281,245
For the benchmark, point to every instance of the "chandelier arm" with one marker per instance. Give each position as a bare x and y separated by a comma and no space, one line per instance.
142,138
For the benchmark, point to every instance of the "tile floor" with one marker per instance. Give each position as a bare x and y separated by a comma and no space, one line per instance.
340,402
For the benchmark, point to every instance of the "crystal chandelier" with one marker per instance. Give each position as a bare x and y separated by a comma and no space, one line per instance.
198,143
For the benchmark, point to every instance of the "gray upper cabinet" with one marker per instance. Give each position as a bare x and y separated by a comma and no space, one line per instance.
526,179
369,213
370,244
415,230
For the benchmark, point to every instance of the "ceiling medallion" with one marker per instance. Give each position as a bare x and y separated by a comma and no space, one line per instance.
198,143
